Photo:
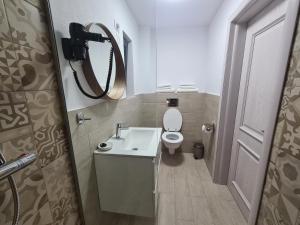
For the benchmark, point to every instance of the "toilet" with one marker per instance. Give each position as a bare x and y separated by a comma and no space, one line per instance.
172,138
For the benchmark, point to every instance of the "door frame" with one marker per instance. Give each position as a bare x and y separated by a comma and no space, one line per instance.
230,91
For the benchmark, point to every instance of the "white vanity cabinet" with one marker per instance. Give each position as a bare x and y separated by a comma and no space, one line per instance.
128,184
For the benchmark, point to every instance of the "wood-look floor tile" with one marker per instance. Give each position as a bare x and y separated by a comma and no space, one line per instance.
225,212
189,160
234,213
202,215
195,184
183,208
224,192
184,222
203,171
166,179
212,190
219,216
166,209
180,171
181,186
196,199
143,221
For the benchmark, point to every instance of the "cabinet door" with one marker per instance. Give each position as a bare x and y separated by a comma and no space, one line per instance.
156,168
126,184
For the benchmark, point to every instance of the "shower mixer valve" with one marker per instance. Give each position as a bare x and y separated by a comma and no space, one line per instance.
11,167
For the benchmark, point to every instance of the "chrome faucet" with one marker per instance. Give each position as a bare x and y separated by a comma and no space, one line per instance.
120,127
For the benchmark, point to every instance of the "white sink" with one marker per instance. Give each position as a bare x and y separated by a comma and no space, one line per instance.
127,175
135,141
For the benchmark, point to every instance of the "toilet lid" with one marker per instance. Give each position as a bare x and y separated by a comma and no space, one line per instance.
172,120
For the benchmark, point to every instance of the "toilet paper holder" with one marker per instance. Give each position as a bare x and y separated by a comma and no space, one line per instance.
208,127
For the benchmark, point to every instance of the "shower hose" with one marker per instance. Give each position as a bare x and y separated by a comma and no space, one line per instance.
15,194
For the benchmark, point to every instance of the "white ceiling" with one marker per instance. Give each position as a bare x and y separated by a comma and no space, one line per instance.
174,13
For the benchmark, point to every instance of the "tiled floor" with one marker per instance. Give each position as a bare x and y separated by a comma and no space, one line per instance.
188,196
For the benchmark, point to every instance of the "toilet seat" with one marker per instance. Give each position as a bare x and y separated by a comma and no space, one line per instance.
172,137
172,120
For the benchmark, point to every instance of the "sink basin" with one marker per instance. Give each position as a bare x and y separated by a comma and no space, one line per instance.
127,175
135,141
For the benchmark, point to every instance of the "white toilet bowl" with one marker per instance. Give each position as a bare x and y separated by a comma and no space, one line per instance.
172,138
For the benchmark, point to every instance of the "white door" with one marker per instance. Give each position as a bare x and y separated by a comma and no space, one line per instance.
257,87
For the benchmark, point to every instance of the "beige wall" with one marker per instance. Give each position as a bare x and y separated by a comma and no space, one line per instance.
85,138
191,107
31,119
211,113
141,110
196,109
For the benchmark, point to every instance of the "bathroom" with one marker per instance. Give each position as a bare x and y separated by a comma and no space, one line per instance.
79,148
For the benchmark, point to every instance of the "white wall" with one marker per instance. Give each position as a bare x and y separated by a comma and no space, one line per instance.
196,55
184,55
218,33
146,81
103,11
181,56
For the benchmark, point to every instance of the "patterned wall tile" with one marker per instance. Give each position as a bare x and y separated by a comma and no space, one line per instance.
288,169
298,220
295,69
36,3
271,173
268,214
281,200
36,68
10,79
4,28
33,197
27,24
297,43
44,108
42,217
71,219
13,111
60,188
289,141
6,211
280,126
32,119
13,149
51,143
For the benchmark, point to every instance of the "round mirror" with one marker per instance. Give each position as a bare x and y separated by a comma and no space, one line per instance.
96,66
